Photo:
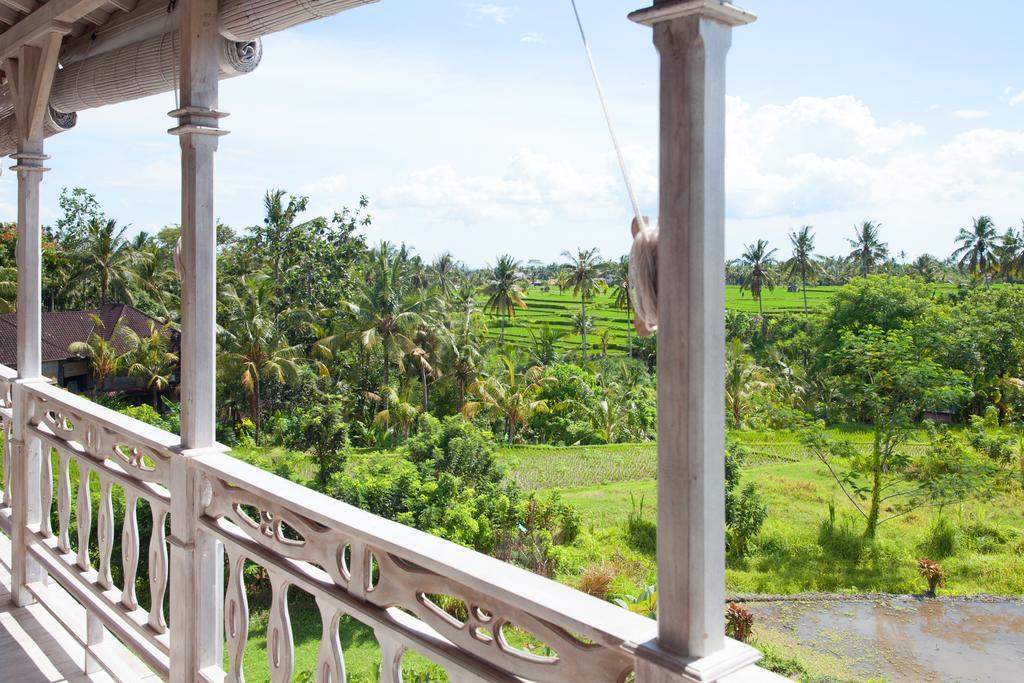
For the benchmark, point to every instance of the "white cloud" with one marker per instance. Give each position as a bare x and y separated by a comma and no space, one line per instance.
533,189
971,114
532,38
499,13
1017,99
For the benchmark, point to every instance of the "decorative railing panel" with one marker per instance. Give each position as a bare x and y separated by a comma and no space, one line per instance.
395,580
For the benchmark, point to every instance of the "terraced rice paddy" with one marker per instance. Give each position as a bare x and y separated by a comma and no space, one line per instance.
557,308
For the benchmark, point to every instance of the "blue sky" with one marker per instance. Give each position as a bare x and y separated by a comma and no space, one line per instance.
473,126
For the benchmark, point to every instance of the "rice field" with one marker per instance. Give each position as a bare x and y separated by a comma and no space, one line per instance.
557,308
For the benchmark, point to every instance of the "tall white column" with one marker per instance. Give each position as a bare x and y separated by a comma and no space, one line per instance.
196,564
692,38
30,75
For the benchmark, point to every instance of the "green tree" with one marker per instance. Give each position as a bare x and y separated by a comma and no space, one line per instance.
446,276
885,377
803,263
976,253
386,312
743,377
254,341
584,278
322,430
623,298
504,290
868,249
152,360
106,354
761,275
106,262
510,396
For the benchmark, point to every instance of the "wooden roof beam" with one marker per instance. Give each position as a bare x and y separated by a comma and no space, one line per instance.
23,6
54,16
9,16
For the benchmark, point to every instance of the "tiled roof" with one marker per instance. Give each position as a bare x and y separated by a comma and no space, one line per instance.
63,328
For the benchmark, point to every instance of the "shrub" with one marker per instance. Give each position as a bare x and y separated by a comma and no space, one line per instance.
840,539
941,540
749,513
597,580
641,531
739,622
932,573
457,447
321,429
983,537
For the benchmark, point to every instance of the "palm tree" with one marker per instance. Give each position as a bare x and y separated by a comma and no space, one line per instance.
803,263
399,413
511,397
106,355
868,249
582,276
386,312
927,267
254,343
107,259
977,244
278,225
446,275
623,298
545,344
504,290
1010,254
760,273
742,377
152,361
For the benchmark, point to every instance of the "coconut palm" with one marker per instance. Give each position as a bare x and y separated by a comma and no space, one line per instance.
152,361
446,275
106,354
803,263
254,343
387,312
582,276
544,344
757,258
928,268
868,249
504,290
1009,254
106,262
623,299
399,414
509,396
742,378
976,253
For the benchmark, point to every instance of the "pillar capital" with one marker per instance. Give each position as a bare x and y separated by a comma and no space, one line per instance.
198,120
667,10
28,162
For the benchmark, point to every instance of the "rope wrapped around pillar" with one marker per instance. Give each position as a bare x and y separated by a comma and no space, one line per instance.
53,122
145,68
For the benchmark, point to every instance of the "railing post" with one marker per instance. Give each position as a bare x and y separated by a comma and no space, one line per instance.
692,38
197,564
30,75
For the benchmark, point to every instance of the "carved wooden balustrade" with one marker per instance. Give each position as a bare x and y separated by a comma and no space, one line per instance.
394,579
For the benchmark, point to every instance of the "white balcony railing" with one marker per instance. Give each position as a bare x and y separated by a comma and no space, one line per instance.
353,563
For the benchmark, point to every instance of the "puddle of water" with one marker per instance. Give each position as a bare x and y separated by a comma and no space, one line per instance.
905,639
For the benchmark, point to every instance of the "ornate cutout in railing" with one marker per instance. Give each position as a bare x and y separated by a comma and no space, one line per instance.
297,550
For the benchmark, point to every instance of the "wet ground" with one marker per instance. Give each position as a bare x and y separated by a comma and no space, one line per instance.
901,638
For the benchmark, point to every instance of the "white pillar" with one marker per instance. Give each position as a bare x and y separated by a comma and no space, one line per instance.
196,564
692,38
30,75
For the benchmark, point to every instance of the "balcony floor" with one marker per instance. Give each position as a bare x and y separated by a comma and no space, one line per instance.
36,648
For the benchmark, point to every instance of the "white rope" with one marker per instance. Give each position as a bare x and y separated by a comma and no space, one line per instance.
643,258
608,119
